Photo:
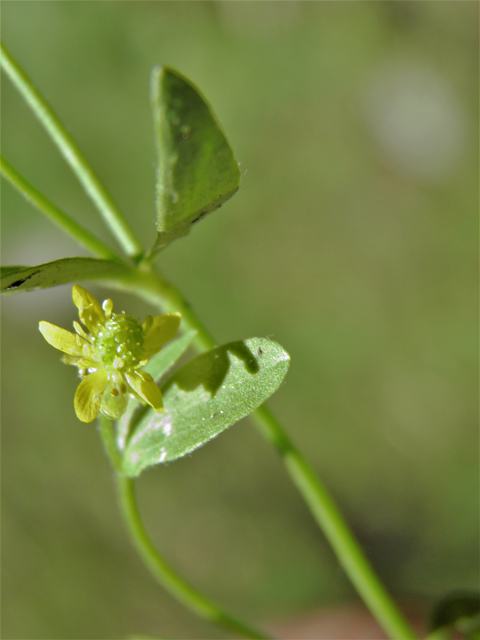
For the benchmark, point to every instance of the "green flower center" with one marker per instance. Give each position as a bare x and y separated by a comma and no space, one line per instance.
120,339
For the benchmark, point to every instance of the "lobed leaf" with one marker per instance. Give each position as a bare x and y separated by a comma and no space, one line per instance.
203,398
196,169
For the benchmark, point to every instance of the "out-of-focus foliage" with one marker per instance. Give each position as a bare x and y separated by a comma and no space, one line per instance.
352,241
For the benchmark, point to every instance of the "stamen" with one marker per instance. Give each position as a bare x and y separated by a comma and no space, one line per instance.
114,392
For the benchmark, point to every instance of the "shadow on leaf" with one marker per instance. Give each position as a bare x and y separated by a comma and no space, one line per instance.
211,368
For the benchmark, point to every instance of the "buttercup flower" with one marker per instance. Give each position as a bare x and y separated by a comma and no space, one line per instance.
109,355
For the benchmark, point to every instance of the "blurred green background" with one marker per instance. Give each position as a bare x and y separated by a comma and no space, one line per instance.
352,242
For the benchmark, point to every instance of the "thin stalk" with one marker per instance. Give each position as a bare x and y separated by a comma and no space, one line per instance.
107,432
72,154
322,506
336,530
164,574
56,215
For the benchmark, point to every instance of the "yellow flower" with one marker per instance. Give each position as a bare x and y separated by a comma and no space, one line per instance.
109,355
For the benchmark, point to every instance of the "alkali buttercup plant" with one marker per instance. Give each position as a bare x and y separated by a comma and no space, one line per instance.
196,173
110,355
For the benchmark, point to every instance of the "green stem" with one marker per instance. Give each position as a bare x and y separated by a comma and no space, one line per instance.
72,154
56,215
336,530
349,553
166,575
107,431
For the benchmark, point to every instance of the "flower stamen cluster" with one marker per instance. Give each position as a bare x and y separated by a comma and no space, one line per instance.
109,354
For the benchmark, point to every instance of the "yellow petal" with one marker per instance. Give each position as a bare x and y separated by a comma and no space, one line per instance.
148,323
89,395
142,383
162,330
61,339
115,399
89,308
68,359
79,329
83,298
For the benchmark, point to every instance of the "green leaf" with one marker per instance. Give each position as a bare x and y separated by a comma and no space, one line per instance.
157,367
196,170
12,269
52,274
204,397
161,362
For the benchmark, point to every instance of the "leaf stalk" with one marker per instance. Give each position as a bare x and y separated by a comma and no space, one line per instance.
56,215
167,576
156,564
72,154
